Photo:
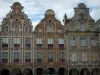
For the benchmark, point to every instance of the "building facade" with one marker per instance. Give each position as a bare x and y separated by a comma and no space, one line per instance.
16,46
82,34
52,48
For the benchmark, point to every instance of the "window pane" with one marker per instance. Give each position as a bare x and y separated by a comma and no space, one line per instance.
5,40
49,29
4,55
50,55
27,55
50,41
39,55
16,55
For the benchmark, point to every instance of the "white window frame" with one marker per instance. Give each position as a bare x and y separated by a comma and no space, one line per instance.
61,41
38,40
50,40
16,40
5,40
82,27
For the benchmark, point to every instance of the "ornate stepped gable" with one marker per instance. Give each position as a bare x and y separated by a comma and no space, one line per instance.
16,20
81,17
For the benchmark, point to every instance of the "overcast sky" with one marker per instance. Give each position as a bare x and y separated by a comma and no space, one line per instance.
35,9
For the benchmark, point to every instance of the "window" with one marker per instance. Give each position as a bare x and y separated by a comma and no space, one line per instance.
83,41
16,28
94,57
93,42
39,42
16,42
61,43
49,28
16,57
84,57
74,57
5,42
40,30
27,42
73,42
26,29
39,57
50,43
27,57
7,28
82,27
50,56
4,57
59,30
61,56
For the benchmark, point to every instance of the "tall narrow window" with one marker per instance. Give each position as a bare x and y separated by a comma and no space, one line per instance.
40,30
6,28
94,57
49,28
16,57
50,43
26,29
5,43
39,43
59,30
27,42
84,57
4,57
93,42
39,57
61,56
61,43
83,41
27,57
73,42
74,57
82,27
16,43
50,56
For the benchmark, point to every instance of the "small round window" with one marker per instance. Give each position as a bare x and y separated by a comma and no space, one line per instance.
49,20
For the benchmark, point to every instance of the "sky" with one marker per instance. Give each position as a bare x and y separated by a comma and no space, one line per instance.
35,9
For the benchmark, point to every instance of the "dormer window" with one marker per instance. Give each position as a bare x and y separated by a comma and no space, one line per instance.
59,30
40,30
82,27
49,28
7,28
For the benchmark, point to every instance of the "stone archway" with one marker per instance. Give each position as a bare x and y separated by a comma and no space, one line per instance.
62,71
73,71
39,71
96,71
16,71
84,71
51,71
5,72
27,71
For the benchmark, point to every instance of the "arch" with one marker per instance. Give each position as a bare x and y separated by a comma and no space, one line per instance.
51,71
16,71
5,71
96,71
62,71
84,71
73,71
27,71
39,71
